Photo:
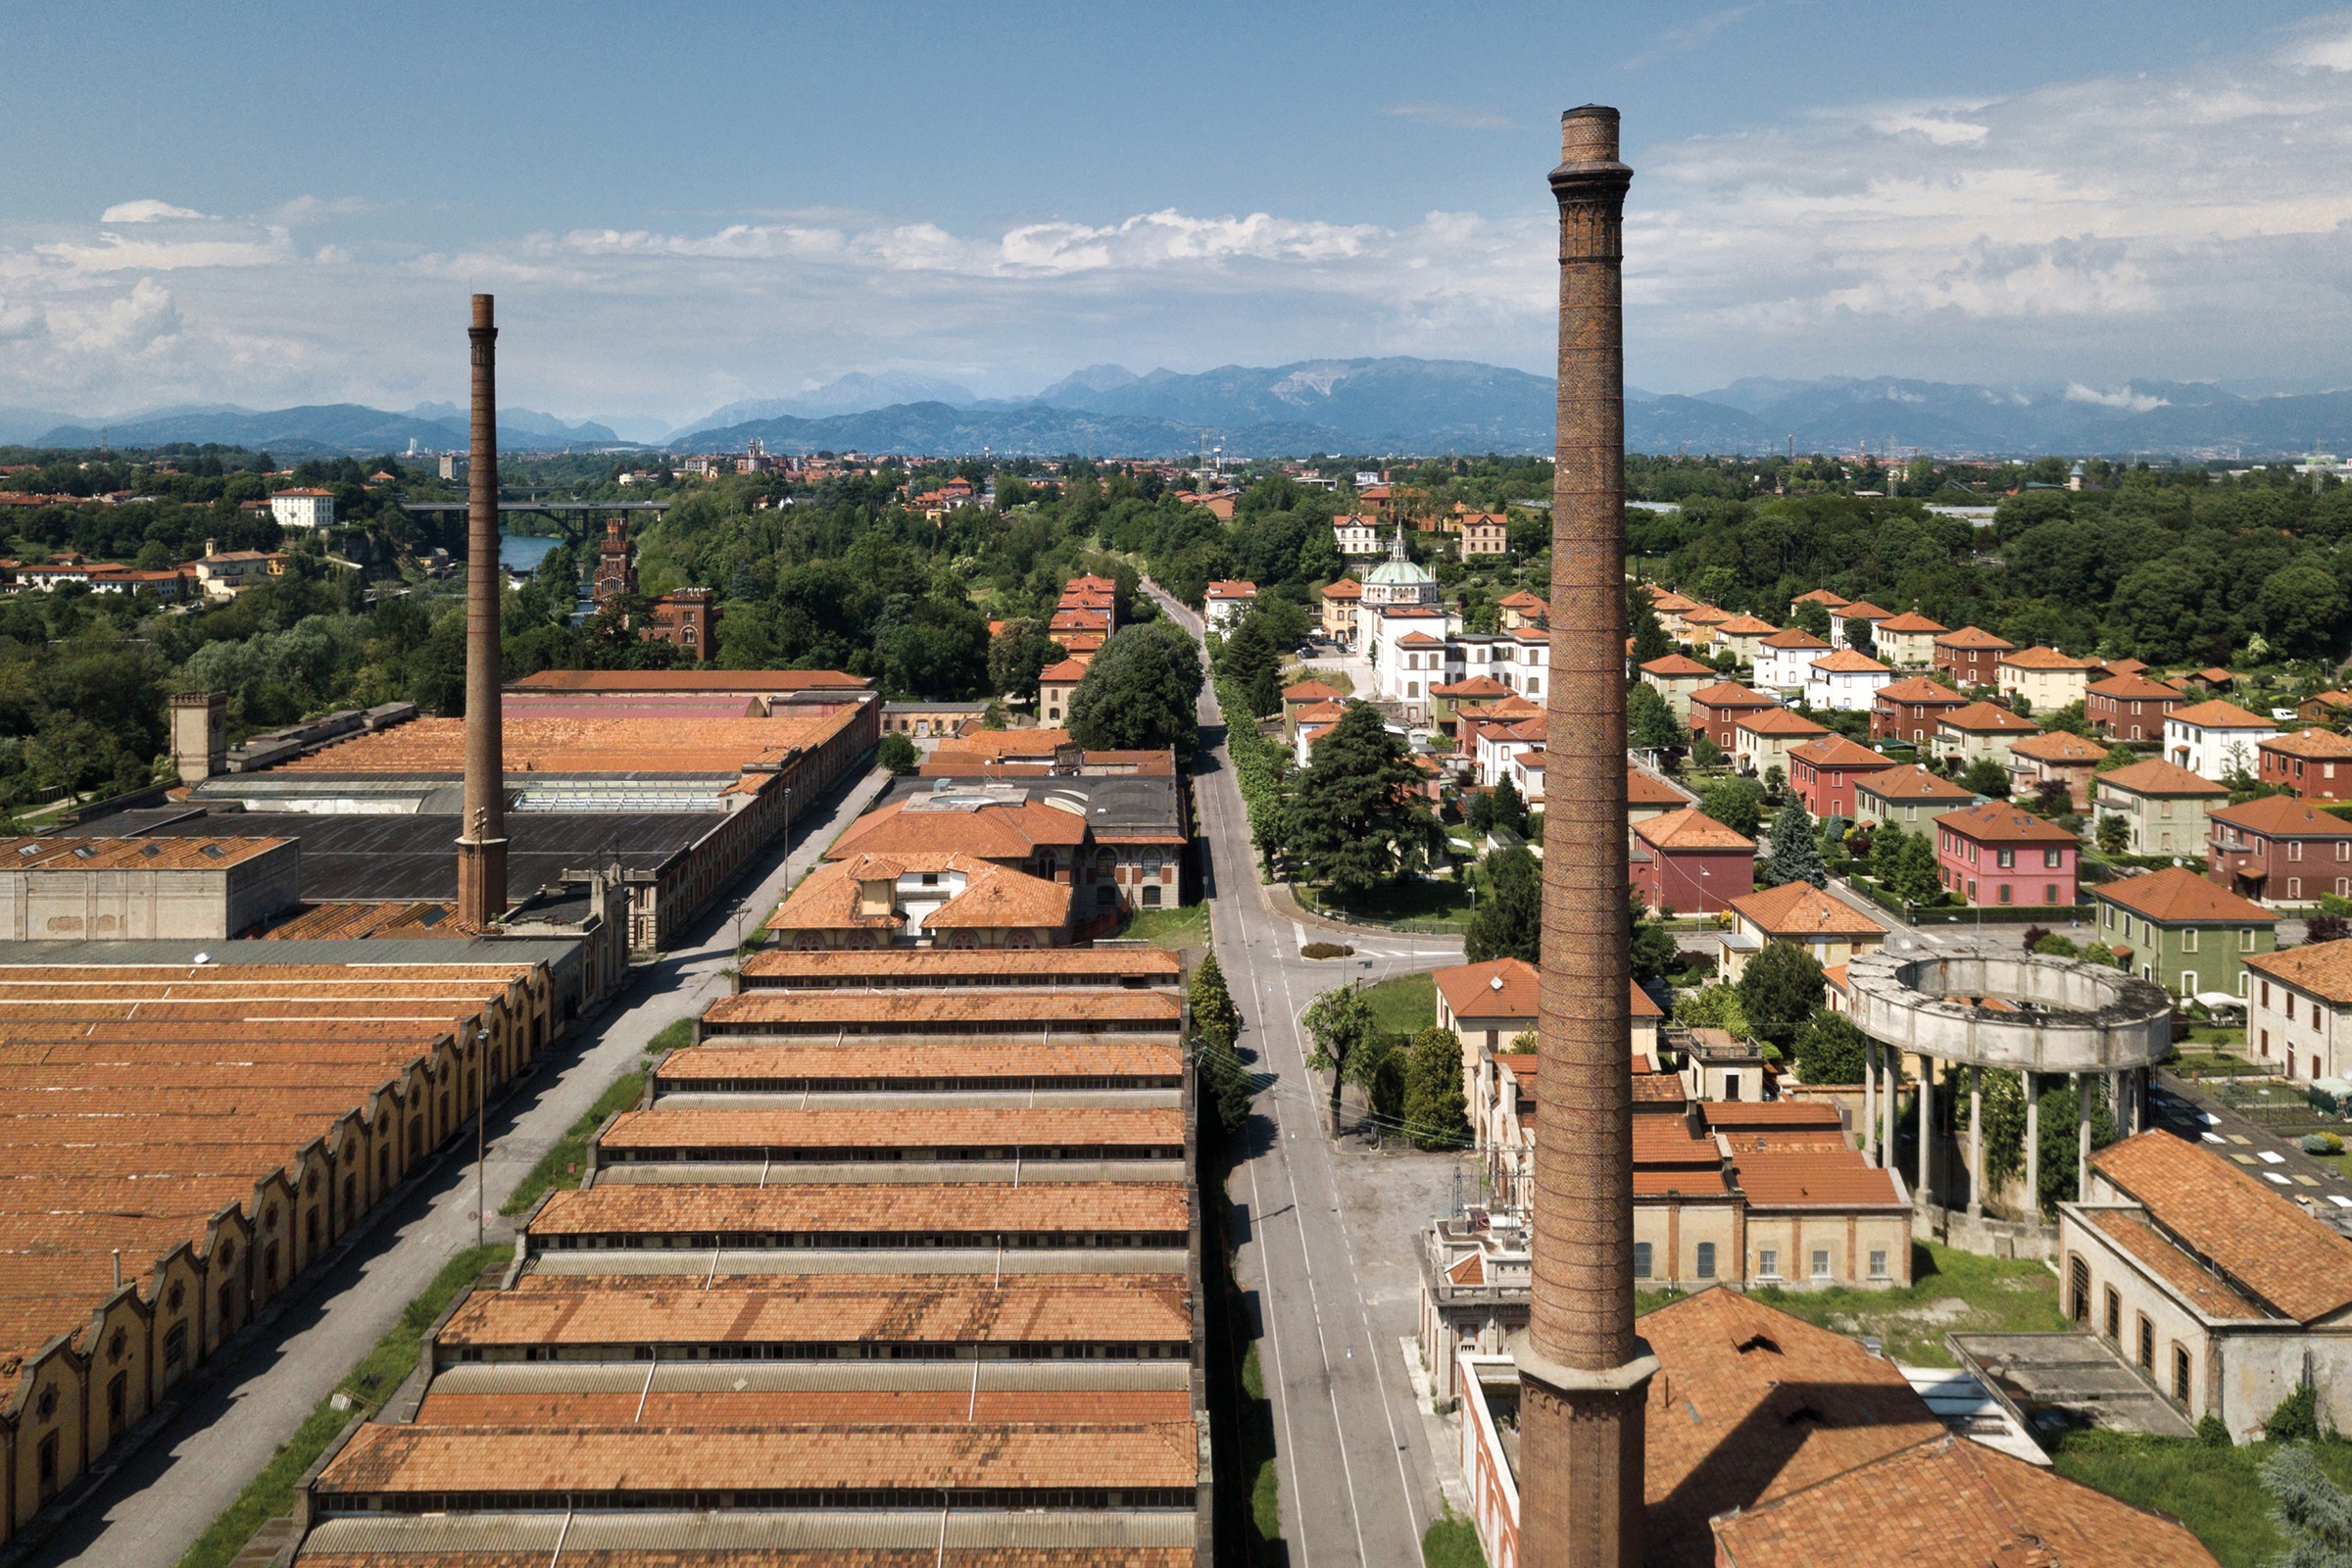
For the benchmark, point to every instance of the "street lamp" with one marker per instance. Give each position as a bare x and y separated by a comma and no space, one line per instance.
481,1135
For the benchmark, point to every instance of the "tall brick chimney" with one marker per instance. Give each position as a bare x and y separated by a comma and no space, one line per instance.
1584,1373
482,836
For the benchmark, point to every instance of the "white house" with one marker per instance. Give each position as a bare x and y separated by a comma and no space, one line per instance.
304,508
1226,602
1860,615
1357,536
1847,681
2299,1011
2216,739
1783,661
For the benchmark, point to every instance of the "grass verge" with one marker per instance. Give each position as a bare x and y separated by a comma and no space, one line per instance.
1407,1004
1950,1292
560,1167
1258,1451
1451,1542
381,1371
1185,927
1416,904
2218,1493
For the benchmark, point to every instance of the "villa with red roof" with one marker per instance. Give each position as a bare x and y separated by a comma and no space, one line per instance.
1226,602
1744,635
2058,757
2216,739
2279,850
1972,655
1861,615
1715,710
1911,798
1979,731
1675,677
2316,764
1846,681
1822,773
2046,678
2129,707
1524,609
1998,853
1691,863
1762,740
1783,661
1907,710
1909,641
2164,805
1339,601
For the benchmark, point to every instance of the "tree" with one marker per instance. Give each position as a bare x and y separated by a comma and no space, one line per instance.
1479,815
2052,798
897,753
1508,922
1507,809
2118,755
1985,776
1355,823
1829,1048
2071,719
1917,877
1737,802
2058,1139
1886,850
2113,833
1715,1006
2311,1512
1779,990
1704,752
1341,1024
1795,856
1812,617
1215,1027
1650,638
1251,661
1654,948
1016,654
1649,721
1436,1114
1140,692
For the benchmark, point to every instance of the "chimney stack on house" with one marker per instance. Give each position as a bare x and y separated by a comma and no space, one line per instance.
482,835
1584,1373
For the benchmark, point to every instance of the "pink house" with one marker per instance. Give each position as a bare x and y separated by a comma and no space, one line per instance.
1998,853
1691,863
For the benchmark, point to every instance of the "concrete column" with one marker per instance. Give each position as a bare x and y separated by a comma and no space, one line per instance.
1892,1063
1927,1128
2032,1085
2115,1102
2083,1082
1975,1142
1870,1100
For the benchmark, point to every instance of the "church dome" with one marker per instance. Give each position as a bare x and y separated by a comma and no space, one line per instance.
1397,573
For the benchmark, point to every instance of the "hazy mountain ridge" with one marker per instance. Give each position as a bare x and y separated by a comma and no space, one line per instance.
341,428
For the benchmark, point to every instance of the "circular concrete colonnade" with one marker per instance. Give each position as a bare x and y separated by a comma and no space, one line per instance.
2039,1017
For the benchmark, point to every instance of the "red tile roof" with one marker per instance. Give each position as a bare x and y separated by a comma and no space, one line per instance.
1505,988
1999,823
1731,694
1918,690
2322,968
2282,817
2218,716
2177,896
2132,688
1815,1178
1988,718
2266,1245
1835,750
1851,662
1794,637
1973,637
1911,623
1676,666
2042,658
1801,911
1778,721
2160,778
1916,782
2058,746
2310,744
1689,829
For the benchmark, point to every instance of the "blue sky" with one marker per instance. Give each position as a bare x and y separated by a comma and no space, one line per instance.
683,204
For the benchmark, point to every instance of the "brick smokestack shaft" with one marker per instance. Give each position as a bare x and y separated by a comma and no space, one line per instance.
1584,1372
482,838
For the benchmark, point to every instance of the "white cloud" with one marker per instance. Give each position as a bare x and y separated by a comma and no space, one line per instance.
2122,397
1692,34
1452,117
147,211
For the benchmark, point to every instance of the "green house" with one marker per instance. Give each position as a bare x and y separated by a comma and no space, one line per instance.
2183,932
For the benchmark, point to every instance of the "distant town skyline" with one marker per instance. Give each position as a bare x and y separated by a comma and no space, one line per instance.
679,209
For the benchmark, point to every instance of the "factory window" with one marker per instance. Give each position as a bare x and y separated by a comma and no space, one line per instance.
1640,1261
1151,897
1821,1263
1878,1263
2179,1374
1707,1261
1768,1263
2147,1343
2115,1316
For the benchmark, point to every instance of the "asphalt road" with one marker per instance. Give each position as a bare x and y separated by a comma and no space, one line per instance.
155,1505
1358,1477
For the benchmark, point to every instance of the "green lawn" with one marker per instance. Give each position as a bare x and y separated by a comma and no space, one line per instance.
1438,905
1451,1542
1185,927
1406,1003
2209,1064
380,1372
1951,1292
2218,1493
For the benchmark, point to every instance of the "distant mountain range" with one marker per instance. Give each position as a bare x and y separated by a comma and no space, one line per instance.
1367,405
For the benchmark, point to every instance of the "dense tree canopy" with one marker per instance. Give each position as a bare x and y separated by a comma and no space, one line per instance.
1140,692
1355,823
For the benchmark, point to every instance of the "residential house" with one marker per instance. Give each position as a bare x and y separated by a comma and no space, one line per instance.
1762,740
1909,641
1418,666
1054,685
1358,536
1980,731
2316,764
2213,678
1524,609
2129,707
2213,1279
223,574
1860,615
2060,757
1828,927
1784,662
2327,708
1670,608
302,508
1912,796
2164,807
1675,677
2279,850
2046,678
2299,1011
1691,863
1998,853
1907,710
1225,604
2177,929
1485,533
1647,795
1494,742
1972,655
1846,681
1476,692
1698,626
1526,769
1487,1005
1308,693
1823,773
2124,667
1827,599
2216,739
1715,711
1339,601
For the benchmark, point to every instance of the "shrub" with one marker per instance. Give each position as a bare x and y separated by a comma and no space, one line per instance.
1326,949
2297,1418
2212,1431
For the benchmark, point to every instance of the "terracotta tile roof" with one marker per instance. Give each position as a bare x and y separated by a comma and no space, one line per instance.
1746,627
2215,675
2281,816
2218,716
1705,616
978,1059
754,1406
1725,1116
1911,622
1731,694
1794,637
1750,1405
1862,610
1800,911
1676,666
1835,750
689,680
1312,691
2322,968
1671,603
2044,658
577,744
999,900
2132,688
1849,661
1916,782
872,1207
2160,778
2058,746
1344,588
1647,789
1778,721
2177,896
1999,823
910,1125
1657,1089
1322,714
130,855
995,832
1973,637
1918,690
401,920
1815,1178
1481,686
1471,991
1949,1500
2320,744
1687,1183
827,900
1989,718
2266,1245
990,745
948,966
1069,673
1523,599
2206,1291
1691,829
1821,595
1662,1141
922,1012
